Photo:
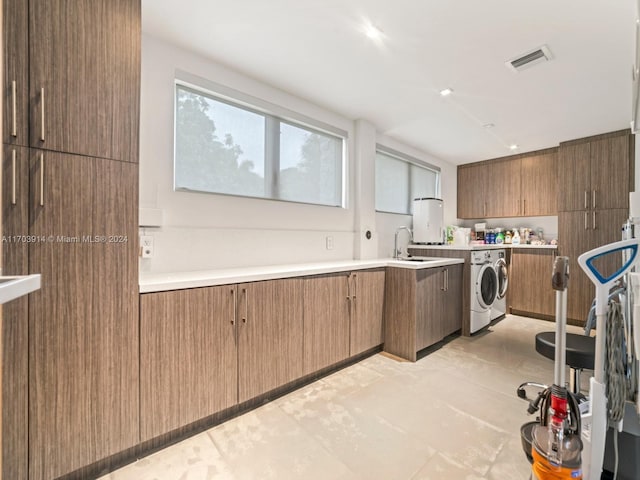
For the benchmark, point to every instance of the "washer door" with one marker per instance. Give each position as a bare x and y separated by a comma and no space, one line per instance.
503,278
487,285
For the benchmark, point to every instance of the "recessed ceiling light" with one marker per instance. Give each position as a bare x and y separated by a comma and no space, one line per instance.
488,125
373,32
446,92
513,147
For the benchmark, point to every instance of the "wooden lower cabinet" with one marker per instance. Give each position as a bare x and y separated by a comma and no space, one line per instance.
529,289
367,329
269,335
83,322
189,363
327,304
421,308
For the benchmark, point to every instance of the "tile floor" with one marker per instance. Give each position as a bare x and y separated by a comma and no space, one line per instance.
454,414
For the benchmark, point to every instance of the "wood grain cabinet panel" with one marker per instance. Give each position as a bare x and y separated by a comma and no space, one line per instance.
421,308
367,293
610,168
15,106
471,191
326,321
452,303
502,191
574,177
83,322
539,188
270,333
530,289
189,361
15,347
85,57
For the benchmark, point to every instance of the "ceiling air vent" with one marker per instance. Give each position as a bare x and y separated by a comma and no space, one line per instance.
529,59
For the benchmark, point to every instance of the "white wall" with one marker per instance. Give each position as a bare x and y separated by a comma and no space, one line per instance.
204,231
387,223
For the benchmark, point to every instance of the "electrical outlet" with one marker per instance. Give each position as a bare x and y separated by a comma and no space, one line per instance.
146,246
329,240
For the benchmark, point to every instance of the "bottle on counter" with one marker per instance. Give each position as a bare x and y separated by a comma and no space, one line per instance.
516,237
507,237
499,236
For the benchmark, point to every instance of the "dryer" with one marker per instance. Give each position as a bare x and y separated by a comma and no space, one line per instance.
484,288
499,307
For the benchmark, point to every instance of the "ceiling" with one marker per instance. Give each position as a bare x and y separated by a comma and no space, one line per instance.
317,50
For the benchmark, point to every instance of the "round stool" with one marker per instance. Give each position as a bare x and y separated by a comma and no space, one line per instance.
580,353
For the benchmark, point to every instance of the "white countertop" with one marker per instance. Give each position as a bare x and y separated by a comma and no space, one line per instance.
12,287
159,282
481,247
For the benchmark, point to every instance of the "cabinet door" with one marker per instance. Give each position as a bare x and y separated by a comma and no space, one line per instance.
85,57
326,321
574,177
574,240
452,304
610,173
530,281
269,335
502,189
471,191
367,293
539,185
429,306
188,357
15,227
83,322
16,73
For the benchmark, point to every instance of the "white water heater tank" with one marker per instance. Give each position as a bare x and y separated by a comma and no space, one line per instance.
428,225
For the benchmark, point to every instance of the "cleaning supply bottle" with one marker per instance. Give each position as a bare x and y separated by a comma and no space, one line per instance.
515,240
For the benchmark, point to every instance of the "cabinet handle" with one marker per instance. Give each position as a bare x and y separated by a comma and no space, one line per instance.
42,114
524,207
518,206
593,199
586,227
594,219
246,306
13,177
484,209
14,121
42,179
586,203
446,280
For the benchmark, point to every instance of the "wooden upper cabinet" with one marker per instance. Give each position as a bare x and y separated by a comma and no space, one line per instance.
189,359
15,31
502,192
610,173
269,335
471,191
539,187
84,85
595,174
367,293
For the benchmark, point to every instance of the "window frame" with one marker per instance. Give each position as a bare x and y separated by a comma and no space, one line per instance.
274,115
412,161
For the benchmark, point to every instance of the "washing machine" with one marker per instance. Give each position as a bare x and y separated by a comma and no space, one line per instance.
484,288
499,307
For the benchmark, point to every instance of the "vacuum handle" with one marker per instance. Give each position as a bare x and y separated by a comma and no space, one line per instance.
560,276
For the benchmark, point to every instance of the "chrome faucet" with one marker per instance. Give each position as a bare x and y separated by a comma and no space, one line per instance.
396,250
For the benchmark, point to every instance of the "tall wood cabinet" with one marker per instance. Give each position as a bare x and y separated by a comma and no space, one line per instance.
530,291
71,99
595,177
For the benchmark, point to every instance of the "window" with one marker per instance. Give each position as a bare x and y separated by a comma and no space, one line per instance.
223,147
400,179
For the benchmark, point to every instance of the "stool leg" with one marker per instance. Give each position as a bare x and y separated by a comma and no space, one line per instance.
574,379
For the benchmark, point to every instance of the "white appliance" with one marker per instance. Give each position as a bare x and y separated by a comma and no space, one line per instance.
484,288
499,308
427,221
